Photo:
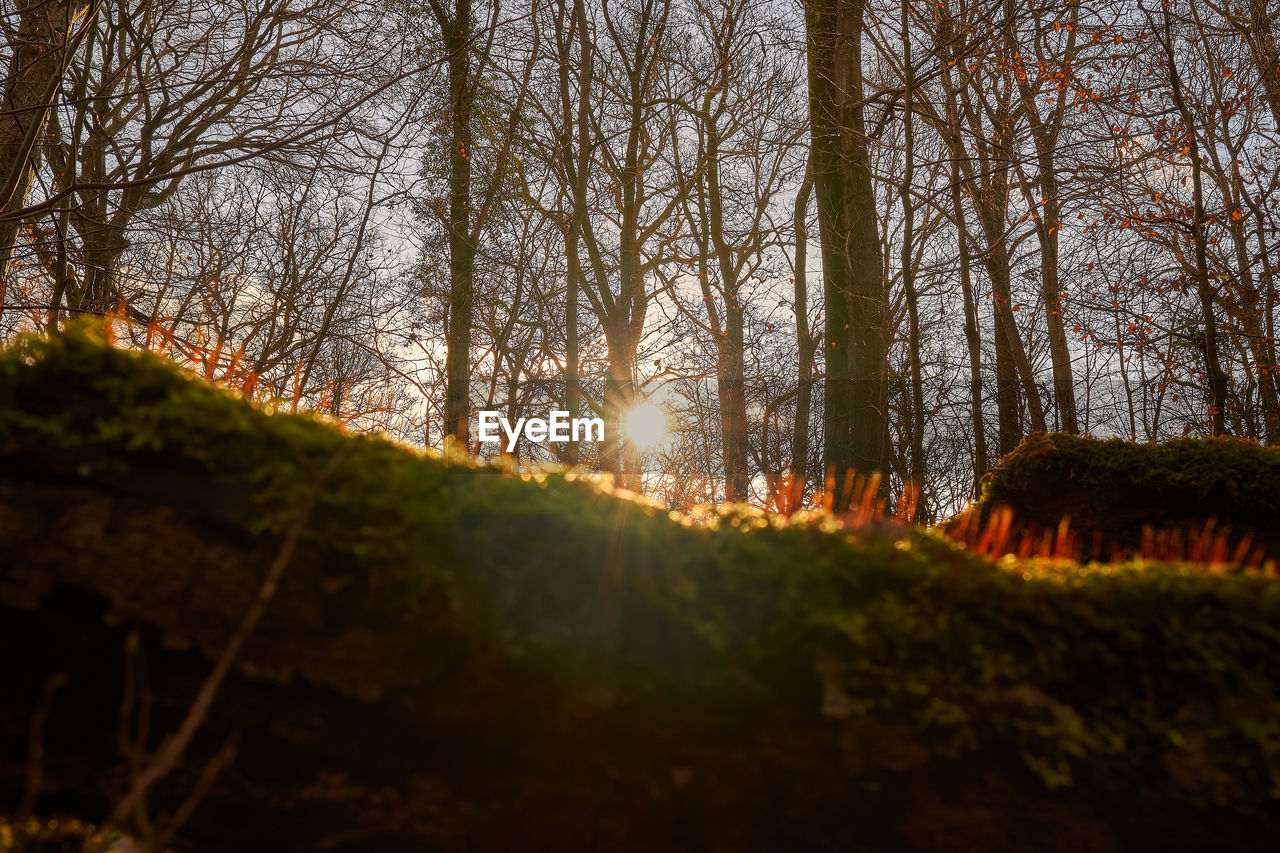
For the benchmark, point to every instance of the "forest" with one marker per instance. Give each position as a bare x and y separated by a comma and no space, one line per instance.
853,235
639,425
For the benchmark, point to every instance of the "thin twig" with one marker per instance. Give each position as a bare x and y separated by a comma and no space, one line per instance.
208,776
35,752
171,751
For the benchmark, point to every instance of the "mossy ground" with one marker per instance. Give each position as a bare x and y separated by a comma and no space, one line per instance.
1210,498
418,571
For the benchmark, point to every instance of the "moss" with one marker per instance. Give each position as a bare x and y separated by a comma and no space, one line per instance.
905,649
53,836
1112,489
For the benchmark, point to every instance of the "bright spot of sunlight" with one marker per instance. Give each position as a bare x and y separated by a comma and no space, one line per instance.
645,425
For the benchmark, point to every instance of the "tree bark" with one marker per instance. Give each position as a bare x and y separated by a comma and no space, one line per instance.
456,29
38,60
731,367
1204,288
973,340
1048,224
853,280
1064,387
1266,54
805,339
1013,367
918,472
576,162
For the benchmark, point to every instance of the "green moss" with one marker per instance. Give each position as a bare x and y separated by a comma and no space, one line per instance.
906,648
53,836
1111,490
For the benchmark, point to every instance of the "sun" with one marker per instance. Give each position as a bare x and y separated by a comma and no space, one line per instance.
645,425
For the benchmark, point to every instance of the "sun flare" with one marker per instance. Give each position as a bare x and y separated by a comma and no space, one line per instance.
645,425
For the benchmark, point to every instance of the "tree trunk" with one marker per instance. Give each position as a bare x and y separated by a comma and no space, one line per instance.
576,163
572,391
918,472
1267,335
973,341
730,368
805,342
619,396
971,335
1266,55
733,403
102,248
1047,230
1008,412
853,280
1204,288
631,306
1248,313
462,250
40,53
1048,225
992,204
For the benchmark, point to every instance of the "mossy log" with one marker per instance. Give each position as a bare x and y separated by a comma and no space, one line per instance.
1216,497
468,658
